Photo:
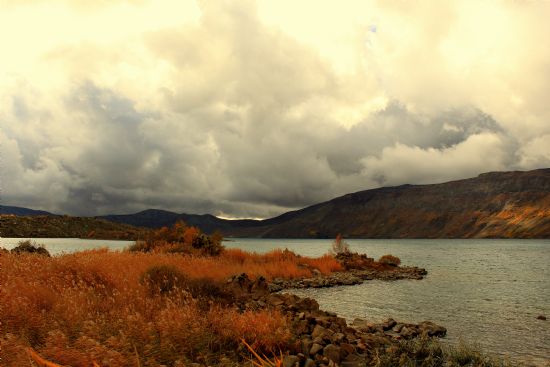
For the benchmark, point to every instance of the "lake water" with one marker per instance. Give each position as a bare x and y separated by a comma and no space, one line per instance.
484,291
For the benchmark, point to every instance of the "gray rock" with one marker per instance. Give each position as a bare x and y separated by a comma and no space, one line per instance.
291,361
397,328
306,345
315,348
318,331
388,324
338,337
332,352
431,329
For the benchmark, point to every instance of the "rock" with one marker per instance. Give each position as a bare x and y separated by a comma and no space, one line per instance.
315,348
353,360
332,352
309,363
397,328
319,340
318,331
338,338
388,324
275,300
300,327
346,349
541,317
291,361
431,329
408,332
307,304
275,287
306,345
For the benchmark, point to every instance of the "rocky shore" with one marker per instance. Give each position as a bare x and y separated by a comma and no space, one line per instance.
357,268
349,277
321,338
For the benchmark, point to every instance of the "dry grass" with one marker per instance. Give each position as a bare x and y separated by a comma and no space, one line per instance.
95,306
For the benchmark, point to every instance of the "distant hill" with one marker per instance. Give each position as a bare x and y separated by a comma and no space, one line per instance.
66,227
155,218
492,205
15,210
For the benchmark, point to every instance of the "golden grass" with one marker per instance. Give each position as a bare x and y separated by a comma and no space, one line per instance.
92,306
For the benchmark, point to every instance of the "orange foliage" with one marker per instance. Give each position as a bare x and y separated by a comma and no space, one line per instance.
190,234
91,306
281,263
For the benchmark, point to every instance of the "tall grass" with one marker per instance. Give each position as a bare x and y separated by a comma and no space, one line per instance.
94,306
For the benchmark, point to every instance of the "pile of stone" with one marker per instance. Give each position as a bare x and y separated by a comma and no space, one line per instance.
321,338
349,277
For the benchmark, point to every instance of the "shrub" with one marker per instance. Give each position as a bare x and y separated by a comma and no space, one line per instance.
163,279
339,246
30,247
180,239
206,290
207,245
390,260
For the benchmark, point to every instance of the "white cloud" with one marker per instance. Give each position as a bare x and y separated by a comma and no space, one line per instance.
254,109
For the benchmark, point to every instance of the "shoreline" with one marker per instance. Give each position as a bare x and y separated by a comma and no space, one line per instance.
349,277
322,338
173,291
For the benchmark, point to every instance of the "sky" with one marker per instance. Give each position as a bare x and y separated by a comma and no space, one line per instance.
253,108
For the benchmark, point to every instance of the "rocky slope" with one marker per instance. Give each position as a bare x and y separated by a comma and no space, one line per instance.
492,205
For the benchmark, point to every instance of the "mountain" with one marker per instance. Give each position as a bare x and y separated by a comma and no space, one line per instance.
491,205
155,218
16,210
57,226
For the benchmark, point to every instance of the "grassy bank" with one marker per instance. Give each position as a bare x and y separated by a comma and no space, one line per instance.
99,306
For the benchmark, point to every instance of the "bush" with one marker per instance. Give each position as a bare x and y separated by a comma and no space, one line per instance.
163,279
339,246
207,245
30,247
390,260
180,239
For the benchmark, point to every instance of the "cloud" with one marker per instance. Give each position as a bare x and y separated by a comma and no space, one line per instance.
232,115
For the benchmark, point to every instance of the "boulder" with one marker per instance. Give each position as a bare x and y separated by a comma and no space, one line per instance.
315,348
291,361
431,329
319,331
332,352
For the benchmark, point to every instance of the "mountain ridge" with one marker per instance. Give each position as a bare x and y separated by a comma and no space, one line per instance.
491,205
509,204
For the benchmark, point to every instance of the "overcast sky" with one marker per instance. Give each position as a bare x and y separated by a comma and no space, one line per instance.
252,108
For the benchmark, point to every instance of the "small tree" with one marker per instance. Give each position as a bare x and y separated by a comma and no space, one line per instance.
339,246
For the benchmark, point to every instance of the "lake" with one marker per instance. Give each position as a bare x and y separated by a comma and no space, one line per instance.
484,291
